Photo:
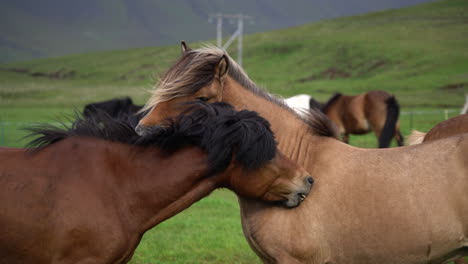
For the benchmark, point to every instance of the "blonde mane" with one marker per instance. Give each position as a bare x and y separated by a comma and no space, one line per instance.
195,70
416,137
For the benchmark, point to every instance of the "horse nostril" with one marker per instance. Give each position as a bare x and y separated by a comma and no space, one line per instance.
310,180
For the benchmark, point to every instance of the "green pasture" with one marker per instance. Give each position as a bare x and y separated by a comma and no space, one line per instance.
420,54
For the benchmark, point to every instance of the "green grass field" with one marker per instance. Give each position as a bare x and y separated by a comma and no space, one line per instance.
419,54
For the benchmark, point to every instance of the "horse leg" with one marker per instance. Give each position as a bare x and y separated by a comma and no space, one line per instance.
399,138
346,138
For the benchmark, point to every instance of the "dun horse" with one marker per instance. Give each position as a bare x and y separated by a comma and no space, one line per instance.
376,111
448,128
89,193
403,205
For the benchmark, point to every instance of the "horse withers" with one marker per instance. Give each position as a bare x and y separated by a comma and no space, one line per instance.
404,205
87,194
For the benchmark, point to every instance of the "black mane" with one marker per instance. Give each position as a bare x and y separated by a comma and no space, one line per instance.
217,128
117,108
331,101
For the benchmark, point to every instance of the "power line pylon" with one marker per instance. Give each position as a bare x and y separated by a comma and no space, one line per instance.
237,34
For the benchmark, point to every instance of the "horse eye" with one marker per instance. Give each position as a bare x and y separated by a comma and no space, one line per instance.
203,99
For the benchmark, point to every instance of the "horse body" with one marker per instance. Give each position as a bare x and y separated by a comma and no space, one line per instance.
88,200
372,111
369,212
448,128
368,205
76,201
383,199
349,115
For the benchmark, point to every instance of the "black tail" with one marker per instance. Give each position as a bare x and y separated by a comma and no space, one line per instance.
393,111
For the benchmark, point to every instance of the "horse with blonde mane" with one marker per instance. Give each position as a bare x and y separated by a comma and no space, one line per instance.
448,128
405,205
87,194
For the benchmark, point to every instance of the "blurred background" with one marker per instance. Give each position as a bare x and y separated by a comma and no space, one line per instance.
34,29
57,56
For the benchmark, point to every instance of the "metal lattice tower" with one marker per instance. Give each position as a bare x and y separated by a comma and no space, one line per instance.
219,17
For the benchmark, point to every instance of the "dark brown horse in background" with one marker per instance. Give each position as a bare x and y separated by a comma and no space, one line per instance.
376,111
89,193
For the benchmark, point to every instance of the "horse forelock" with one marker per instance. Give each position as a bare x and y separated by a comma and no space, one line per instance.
196,69
244,135
191,72
222,132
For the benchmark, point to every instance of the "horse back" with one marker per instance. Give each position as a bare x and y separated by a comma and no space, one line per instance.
421,194
450,127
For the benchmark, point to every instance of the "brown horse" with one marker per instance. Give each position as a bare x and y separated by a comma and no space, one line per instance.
81,199
448,128
400,205
360,114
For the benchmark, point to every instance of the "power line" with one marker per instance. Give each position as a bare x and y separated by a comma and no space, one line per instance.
219,17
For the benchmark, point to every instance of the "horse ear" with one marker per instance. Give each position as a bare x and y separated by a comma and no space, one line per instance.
184,47
222,67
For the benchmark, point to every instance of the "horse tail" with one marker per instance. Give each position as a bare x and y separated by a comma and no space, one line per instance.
416,137
393,111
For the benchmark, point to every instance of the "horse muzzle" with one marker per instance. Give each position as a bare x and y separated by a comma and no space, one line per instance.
296,198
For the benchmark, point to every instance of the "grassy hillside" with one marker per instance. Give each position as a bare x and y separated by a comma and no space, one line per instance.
420,54
32,29
417,53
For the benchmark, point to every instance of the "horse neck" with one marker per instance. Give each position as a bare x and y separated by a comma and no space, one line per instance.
160,187
293,135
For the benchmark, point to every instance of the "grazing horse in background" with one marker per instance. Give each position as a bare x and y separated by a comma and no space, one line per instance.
89,193
376,111
448,128
405,205
121,108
